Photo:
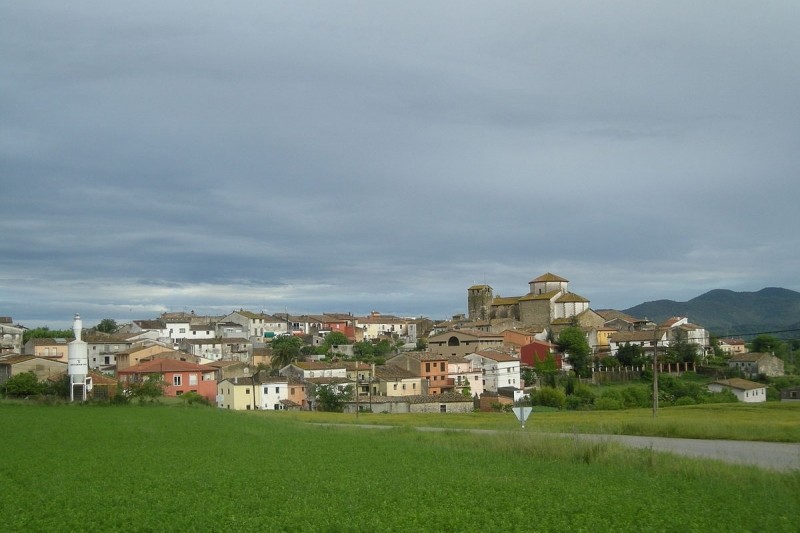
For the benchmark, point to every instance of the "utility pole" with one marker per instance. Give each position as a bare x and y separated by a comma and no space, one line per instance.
655,371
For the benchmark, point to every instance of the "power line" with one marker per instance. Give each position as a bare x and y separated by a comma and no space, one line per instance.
766,332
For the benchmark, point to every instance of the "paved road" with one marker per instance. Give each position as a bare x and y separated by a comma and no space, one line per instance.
771,455
779,456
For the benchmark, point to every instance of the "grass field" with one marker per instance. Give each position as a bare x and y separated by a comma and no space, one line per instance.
773,421
182,468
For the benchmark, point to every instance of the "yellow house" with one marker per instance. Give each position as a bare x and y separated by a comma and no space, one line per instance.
55,349
236,393
391,380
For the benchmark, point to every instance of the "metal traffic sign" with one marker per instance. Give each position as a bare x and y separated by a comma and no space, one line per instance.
522,414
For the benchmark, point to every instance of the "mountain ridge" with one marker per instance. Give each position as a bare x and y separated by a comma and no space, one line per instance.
726,313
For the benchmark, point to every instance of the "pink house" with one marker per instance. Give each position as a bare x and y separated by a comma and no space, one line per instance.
178,377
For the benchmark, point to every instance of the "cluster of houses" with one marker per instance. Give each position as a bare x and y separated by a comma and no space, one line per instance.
473,360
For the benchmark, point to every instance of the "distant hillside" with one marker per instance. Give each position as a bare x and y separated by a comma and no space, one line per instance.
728,313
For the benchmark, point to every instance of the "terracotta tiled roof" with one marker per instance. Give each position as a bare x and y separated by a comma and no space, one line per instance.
547,277
317,365
149,324
635,336
164,365
571,297
475,287
509,300
750,357
739,383
544,296
327,381
445,397
494,355
732,342
392,372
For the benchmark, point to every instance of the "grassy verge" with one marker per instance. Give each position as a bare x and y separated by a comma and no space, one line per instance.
177,469
773,422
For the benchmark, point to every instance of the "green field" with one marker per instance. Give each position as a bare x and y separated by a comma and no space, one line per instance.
132,468
772,421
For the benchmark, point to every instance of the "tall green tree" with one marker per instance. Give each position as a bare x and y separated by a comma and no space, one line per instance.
681,350
364,350
107,325
630,355
335,338
572,341
769,344
285,349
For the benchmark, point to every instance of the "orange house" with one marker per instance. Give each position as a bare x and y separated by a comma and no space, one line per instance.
431,367
178,376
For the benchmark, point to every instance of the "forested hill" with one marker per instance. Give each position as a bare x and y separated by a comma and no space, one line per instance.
726,313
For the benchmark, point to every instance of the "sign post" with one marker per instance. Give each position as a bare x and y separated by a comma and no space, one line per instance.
522,414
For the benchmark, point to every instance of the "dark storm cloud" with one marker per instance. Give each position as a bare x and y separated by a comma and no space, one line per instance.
355,156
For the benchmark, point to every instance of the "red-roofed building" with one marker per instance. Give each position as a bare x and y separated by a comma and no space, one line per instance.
178,377
537,351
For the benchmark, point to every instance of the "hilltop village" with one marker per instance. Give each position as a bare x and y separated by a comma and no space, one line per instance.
492,356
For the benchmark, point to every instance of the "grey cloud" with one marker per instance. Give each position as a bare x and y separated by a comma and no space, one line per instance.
360,156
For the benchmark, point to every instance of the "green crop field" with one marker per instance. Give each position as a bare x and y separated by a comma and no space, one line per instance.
132,468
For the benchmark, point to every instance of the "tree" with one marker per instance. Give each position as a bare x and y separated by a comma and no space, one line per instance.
23,384
46,333
467,390
572,341
149,389
364,350
335,338
630,355
330,399
285,349
769,344
107,325
681,350
547,369
383,348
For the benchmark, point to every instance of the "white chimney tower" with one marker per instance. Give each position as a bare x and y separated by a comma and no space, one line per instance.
78,362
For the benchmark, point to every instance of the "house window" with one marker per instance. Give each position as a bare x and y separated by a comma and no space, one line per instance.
427,367
247,391
291,391
395,386
265,390
443,408
441,366
182,330
404,386
192,379
414,386
176,380
277,390
277,407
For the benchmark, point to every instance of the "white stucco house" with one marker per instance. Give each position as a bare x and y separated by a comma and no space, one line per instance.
745,390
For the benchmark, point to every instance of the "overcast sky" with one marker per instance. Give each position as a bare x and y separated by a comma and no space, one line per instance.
356,156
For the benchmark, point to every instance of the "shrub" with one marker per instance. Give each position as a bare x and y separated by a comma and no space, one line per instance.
23,384
549,397
685,400
636,397
190,398
607,403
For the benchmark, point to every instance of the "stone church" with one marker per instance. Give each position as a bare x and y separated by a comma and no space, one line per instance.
548,302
